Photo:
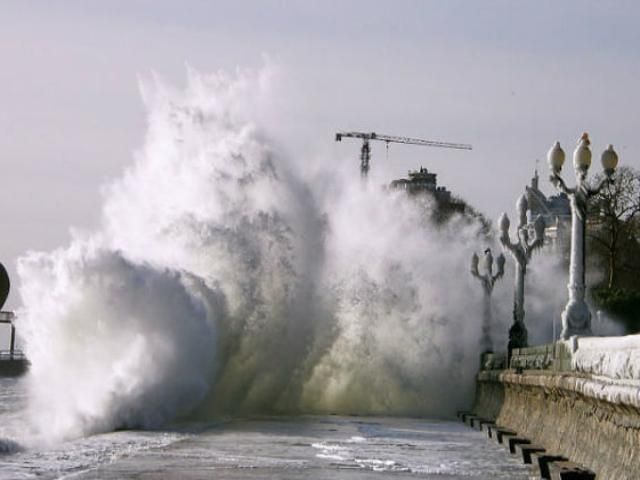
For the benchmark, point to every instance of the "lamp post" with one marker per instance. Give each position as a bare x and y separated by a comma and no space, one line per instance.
576,317
521,251
487,280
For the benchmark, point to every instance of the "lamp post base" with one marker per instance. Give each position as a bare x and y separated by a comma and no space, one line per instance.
576,320
518,336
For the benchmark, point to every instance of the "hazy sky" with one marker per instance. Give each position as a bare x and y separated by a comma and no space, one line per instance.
509,77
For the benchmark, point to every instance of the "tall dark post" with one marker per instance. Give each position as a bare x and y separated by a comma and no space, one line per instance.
12,343
365,156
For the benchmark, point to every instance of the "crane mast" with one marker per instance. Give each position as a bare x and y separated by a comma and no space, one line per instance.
365,150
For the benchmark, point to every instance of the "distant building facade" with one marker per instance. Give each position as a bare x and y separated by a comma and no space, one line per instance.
422,181
555,211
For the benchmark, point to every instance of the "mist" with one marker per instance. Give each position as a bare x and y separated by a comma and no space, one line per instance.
230,275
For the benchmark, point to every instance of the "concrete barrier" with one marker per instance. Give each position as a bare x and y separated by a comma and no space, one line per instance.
592,421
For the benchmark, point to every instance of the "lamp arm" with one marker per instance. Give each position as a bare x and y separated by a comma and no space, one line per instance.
560,184
607,180
485,281
506,242
500,272
531,247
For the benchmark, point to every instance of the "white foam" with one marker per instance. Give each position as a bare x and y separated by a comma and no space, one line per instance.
224,279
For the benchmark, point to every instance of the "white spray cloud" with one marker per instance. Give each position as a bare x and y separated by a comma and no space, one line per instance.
224,280
113,343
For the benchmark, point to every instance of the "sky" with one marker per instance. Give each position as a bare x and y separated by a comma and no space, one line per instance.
508,77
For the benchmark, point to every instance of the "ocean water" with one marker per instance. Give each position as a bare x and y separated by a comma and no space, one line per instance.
323,447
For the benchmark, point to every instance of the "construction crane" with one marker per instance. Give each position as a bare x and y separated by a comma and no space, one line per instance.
365,151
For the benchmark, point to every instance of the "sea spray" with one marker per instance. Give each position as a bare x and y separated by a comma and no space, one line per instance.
209,209
117,344
224,280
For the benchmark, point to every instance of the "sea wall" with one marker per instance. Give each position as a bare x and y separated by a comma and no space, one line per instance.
579,399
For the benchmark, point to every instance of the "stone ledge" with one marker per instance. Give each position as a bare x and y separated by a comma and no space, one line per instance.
592,421
618,392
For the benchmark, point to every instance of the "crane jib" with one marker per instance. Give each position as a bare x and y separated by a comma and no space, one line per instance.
365,150
407,140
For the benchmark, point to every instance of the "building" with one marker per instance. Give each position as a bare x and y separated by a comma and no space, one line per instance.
424,182
554,210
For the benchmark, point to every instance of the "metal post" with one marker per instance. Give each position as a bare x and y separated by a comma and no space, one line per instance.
576,317
521,251
487,280
365,155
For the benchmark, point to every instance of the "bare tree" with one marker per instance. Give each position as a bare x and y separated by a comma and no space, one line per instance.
614,219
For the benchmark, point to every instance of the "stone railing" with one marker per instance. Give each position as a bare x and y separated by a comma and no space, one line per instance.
493,361
612,357
554,356
577,399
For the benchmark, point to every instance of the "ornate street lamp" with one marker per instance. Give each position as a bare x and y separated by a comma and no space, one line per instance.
521,251
487,280
576,317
